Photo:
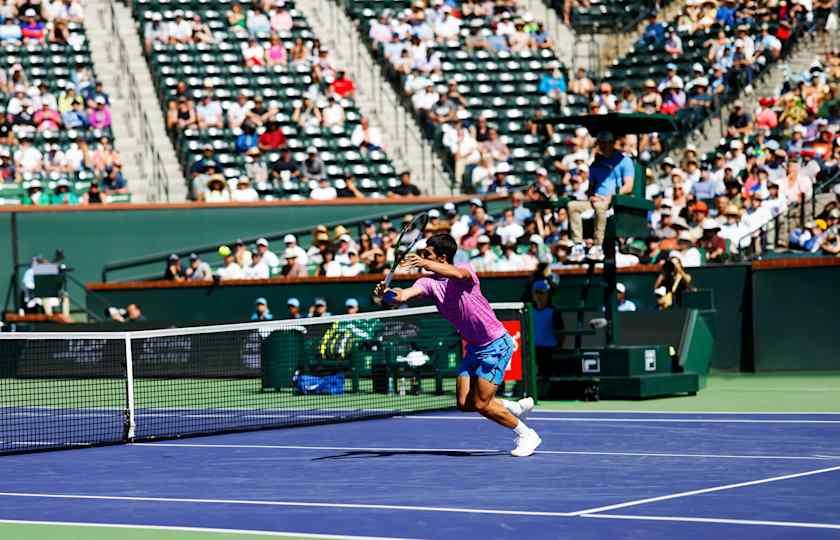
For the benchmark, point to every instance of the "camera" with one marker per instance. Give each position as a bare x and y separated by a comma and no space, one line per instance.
112,312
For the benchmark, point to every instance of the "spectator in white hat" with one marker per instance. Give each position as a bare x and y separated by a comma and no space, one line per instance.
244,191
323,191
345,244
354,266
484,258
623,303
291,244
293,305
319,308
536,253
292,268
269,257
261,311
351,306
258,269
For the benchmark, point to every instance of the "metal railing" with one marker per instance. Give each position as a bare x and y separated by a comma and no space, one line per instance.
369,74
146,156
774,233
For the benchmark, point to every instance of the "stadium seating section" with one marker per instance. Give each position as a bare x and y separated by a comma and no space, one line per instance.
502,86
52,64
222,63
605,16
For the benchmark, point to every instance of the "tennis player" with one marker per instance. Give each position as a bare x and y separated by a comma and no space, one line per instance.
456,291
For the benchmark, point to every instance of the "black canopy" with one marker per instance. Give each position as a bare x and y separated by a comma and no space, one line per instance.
617,123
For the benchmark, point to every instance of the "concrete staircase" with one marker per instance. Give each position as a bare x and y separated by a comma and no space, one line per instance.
707,137
149,160
376,99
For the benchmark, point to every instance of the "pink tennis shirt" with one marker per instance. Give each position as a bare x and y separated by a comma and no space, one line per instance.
461,303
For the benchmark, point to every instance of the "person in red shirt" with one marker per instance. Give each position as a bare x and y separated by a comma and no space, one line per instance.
31,28
273,137
343,86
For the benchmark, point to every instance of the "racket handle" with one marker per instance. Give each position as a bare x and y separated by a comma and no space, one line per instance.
390,298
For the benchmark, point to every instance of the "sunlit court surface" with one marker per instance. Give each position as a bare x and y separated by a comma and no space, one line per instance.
448,475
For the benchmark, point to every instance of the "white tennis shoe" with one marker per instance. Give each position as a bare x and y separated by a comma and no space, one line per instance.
526,405
526,444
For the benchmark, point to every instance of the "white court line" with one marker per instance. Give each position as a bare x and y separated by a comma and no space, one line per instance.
256,502
702,491
481,450
800,524
636,420
197,529
698,413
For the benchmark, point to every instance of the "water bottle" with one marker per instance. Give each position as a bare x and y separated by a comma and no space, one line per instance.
401,387
390,385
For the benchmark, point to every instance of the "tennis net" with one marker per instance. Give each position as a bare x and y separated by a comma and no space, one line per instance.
64,390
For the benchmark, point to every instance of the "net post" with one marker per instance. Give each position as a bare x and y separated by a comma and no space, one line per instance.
531,386
131,422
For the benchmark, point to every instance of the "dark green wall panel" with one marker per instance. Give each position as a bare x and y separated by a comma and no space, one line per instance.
93,238
796,323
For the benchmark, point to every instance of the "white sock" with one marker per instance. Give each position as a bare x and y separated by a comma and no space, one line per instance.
521,428
513,407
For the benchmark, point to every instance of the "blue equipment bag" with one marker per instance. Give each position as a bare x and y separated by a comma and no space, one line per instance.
310,384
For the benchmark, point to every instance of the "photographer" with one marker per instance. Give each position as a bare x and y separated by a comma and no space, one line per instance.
671,282
131,313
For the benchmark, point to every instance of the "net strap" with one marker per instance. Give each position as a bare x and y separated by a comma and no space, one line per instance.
131,420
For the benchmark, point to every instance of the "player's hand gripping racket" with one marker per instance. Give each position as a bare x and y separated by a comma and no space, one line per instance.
418,224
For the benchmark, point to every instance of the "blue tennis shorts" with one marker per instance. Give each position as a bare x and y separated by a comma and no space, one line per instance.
488,361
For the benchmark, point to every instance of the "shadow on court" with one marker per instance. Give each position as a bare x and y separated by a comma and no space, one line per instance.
363,454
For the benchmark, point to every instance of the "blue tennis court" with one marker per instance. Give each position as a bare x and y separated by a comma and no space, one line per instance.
449,475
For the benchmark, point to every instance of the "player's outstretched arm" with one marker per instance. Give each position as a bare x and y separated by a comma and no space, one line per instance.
398,296
440,268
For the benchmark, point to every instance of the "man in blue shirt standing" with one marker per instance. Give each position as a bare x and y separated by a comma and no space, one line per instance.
610,173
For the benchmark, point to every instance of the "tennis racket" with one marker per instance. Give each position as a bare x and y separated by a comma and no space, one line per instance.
417,224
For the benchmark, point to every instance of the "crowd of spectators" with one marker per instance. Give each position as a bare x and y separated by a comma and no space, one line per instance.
260,125
411,41
38,113
773,157
208,183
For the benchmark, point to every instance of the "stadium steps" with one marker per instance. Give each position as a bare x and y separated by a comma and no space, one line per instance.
707,136
126,124
377,100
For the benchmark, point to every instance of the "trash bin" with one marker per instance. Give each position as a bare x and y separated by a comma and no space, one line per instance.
282,352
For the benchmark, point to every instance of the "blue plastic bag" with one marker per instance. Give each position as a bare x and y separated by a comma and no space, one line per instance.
310,384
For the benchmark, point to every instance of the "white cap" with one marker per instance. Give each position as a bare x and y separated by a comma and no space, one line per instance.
620,287
735,144
290,254
542,172
660,291
345,238
483,239
449,207
289,238
433,213
293,302
262,242
697,67
502,167
536,239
